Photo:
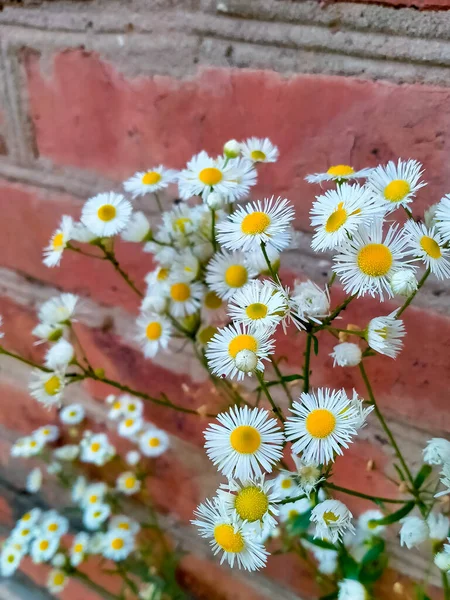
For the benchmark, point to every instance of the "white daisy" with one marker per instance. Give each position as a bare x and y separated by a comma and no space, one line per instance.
255,223
437,451
34,481
57,581
47,433
130,426
154,332
258,304
118,544
60,355
252,500
286,486
228,272
310,302
362,410
338,213
245,176
351,589
44,547
58,242
236,350
184,298
245,443
332,519
68,452
338,173
128,483
185,266
106,214
138,228
346,354
49,333
396,184
439,526
259,150
132,458
294,509
445,480
442,561
177,228
150,181
384,334
157,281
442,217
429,246
91,494
413,532
72,414
367,524
153,442
125,524
323,423
22,534
95,515
30,518
27,446
96,449
131,406
54,524
58,310
10,558
47,388
367,263
228,535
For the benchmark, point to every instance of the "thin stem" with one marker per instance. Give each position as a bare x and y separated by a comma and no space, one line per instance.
158,202
110,256
23,360
80,251
213,229
445,585
336,312
94,586
265,389
410,298
357,332
383,423
408,212
331,281
83,353
269,264
294,499
307,363
344,490
284,385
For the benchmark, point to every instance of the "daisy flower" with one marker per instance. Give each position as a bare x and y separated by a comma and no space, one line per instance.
57,581
184,298
185,266
47,388
332,519
429,246
106,214
47,433
128,483
442,217
60,355
442,560
154,332
413,532
22,534
351,589
130,426
228,535
396,184
255,223
72,414
53,524
132,458
44,547
96,449
58,242
49,333
150,181
439,526
259,150
228,272
95,515
310,302
252,500
367,522
323,423
91,494
244,443
286,486
337,214
367,263
437,451
131,406
338,173
384,334
59,310
153,442
236,350
118,544
30,518
27,446
258,304
125,524
10,558
138,228
294,509
346,354
445,480
34,481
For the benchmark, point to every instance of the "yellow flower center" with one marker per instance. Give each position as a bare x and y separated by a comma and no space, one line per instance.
25,532
256,311
236,276
292,513
210,176
93,499
117,405
245,439
320,423
227,539
212,301
11,558
336,219
43,545
97,514
131,407
153,330
58,241
123,525
330,517
52,385
180,292
375,260
26,517
72,413
33,443
372,524
163,274
251,504
78,548
430,246
129,422
180,224
117,544
258,155
95,447
58,578
154,442
130,482
107,212
53,527
340,171
242,342
396,190
151,178
206,334
286,484
254,223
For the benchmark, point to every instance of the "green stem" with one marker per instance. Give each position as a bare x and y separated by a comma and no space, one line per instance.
284,385
265,389
410,298
24,360
213,229
294,499
269,264
408,212
344,490
307,363
111,257
336,312
359,333
80,251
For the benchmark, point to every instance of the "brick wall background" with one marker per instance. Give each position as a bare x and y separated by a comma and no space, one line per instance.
92,91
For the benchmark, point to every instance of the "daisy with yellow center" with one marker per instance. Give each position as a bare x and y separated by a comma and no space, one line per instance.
128,483
96,449
259,150
428,245
106,214
149,181
59,310
47,433
228,535
203,174
291,510
95,515
396,184
53,524
332,519
339,173
130,426
90,494
47,388
44,547
228,272
244,443
57,581
177,227
184,297
385,335
324,422
367,524
258,304
367,262
131,406
286,485
153,442
256,222
58,242
118,544
338,213
10,558
153,332
237,350
72,414
30,518
124,523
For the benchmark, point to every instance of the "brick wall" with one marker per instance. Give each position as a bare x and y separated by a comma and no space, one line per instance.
92,91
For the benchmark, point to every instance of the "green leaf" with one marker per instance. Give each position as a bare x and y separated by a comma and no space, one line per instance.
376,548
319,543
399,472
349,566
300,523
331,596
396,516
424,472
373,570
292,377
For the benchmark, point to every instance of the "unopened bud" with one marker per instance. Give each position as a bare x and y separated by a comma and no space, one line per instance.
232,149
215,201
246,361
403,282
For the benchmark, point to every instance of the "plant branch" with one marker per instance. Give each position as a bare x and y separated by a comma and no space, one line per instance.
265,389
30,363
411,297
284,385
338,488
307,363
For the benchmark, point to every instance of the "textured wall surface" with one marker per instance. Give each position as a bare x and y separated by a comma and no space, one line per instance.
92,91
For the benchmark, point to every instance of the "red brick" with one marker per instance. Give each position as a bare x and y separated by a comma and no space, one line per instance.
89,115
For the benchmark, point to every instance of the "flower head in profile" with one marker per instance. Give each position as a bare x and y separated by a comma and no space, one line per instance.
149,181
138,228
106,214
414,531
346,354
59,310
332,519
338,173
396,184
439,526
368,525
58,242
310,302
428,245
437,451
259,150
385,335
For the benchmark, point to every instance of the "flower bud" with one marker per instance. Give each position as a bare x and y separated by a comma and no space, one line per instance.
404,282
246,361
429,215
442,561
346,354
414,531
232,149
215,201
